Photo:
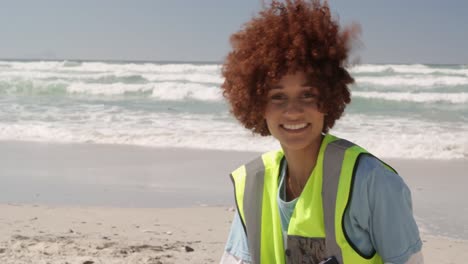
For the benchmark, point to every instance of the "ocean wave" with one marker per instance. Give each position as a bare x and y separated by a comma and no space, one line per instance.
111,78
173,87
413,81
163,90
193,74
32,87
127,77
405,138
215,69
386,137
453,98
171,105
111,67
194,78
71,64
417,69
177,91
108,89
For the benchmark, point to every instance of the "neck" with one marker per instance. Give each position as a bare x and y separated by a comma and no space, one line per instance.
300,166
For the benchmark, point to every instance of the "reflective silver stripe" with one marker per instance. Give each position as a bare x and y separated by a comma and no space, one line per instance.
332,163
253,194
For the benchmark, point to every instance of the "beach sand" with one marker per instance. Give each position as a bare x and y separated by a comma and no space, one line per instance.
45,234
85,203
85,235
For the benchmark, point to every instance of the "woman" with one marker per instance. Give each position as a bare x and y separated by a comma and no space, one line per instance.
319,199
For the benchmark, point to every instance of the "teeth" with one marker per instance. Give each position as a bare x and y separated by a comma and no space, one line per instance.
295,127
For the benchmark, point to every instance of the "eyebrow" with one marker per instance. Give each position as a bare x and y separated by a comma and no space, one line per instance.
306,84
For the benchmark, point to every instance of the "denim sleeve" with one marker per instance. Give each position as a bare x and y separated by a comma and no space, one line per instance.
236,244
381,211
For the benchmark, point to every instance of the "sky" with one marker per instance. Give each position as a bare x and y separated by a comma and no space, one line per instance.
396,31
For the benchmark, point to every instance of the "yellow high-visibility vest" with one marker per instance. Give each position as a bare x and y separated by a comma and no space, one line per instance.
316,229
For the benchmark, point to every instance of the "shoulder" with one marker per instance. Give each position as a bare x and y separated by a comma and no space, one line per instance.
376,185
376,176
261,162
381,204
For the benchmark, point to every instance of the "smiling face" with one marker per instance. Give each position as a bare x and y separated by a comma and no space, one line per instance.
293,114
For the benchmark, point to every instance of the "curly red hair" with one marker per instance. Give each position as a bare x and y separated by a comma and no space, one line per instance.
297,35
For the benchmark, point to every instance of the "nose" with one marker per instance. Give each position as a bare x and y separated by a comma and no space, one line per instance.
294,108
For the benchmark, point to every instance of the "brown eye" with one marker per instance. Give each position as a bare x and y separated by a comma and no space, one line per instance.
278,98
309,97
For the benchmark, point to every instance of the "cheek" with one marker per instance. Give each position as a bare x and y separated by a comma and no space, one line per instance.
321,121
268,114
270,121
317,117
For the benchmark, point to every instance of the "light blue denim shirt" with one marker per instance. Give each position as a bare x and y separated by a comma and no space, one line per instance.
379,217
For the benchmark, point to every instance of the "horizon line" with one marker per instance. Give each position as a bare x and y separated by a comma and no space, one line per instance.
194,61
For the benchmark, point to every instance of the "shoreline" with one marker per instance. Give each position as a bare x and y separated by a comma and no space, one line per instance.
127,176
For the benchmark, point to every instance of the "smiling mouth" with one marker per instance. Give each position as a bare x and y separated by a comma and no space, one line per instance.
296,127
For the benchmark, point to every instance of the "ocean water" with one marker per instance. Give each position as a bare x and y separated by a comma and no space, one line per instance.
398,111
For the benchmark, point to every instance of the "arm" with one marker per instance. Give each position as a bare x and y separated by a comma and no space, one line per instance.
382,207
236,250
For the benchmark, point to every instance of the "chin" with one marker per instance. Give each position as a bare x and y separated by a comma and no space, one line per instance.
295,145
301,144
